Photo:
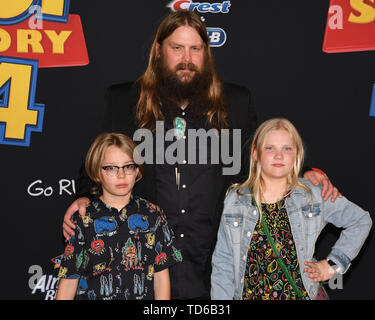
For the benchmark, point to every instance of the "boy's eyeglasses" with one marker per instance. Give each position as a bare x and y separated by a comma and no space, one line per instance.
112,171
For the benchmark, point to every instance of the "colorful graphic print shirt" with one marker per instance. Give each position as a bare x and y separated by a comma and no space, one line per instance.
116,253
264,278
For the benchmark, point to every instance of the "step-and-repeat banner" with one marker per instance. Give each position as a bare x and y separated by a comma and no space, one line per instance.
309,61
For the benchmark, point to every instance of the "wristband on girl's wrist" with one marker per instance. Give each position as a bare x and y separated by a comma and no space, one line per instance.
333,265
318,170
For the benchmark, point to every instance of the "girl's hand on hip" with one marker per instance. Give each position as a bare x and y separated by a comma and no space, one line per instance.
319,271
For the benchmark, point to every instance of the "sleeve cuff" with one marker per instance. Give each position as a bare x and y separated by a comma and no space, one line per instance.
340,259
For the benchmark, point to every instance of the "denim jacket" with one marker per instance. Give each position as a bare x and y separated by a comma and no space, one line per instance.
307,216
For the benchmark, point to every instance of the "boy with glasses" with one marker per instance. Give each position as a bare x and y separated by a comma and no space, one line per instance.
123,246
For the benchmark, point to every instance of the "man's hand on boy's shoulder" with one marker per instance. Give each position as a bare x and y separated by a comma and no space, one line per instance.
68,225
328,189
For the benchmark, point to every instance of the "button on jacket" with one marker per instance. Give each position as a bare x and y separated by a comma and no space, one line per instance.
308,215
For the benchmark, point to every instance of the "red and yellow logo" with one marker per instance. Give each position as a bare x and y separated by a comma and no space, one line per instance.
350,26
33,34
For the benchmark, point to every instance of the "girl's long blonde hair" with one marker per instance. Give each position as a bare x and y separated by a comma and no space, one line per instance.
254,181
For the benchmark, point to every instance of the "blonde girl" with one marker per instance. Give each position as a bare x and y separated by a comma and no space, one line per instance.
270,223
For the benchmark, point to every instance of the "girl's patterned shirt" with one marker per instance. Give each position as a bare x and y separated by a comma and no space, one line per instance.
116,252
264,279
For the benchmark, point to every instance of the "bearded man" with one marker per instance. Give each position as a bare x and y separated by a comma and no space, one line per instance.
181,83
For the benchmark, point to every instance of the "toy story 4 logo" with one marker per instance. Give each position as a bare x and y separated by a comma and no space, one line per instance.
33,34
351,27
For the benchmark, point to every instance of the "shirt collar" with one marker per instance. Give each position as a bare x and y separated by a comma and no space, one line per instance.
99,205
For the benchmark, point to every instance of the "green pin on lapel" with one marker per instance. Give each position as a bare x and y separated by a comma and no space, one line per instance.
179,127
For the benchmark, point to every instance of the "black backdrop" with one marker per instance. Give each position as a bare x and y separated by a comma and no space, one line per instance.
273,47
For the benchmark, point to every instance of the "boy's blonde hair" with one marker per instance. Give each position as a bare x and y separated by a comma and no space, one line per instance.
254,181
96,153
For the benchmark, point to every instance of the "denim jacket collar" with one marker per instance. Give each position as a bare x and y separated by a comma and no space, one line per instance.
245,197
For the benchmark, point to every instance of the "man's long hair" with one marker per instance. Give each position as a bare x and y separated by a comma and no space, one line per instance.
148,106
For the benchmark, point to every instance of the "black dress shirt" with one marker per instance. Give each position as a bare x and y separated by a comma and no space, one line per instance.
188,191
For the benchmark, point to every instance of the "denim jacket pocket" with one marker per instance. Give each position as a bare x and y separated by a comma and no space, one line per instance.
312,217
233,223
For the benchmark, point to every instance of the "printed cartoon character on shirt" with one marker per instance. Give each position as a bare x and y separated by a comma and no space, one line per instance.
68,252
86,219
105,226
82,260
152,207
161,258
131,256
151,236
138,223
123,215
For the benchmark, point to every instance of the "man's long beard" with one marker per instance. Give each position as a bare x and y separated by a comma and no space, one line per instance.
175,90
